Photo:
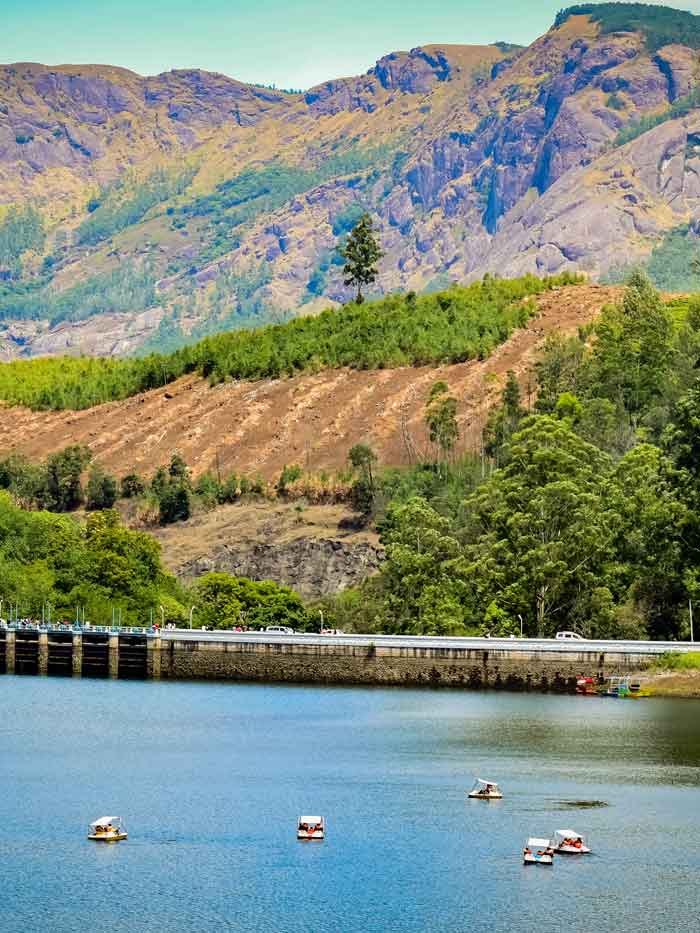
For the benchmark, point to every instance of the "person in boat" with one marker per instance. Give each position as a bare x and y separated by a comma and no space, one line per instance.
578,844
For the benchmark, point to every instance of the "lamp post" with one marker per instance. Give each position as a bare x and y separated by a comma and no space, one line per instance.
191,611
521,625
690,609
320,612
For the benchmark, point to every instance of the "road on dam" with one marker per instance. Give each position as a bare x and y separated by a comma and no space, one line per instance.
560,646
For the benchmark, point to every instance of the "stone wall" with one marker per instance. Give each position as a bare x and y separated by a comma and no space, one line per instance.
348,664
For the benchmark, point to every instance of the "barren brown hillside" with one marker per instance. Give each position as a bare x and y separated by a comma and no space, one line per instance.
310,419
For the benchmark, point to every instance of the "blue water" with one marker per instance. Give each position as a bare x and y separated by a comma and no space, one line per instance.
211,778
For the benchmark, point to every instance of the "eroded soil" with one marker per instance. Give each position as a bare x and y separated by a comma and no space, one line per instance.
313,420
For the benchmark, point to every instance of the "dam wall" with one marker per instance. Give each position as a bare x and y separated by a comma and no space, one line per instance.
314,659
389,666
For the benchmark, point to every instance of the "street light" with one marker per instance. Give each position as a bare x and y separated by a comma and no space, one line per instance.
320,612
521,625
191,611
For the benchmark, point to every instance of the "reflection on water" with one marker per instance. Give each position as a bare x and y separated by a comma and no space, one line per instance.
211,779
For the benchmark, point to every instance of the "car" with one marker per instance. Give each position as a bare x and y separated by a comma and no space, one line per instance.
279,630
569,636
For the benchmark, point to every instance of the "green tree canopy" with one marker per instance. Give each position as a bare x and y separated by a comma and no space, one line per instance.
361,253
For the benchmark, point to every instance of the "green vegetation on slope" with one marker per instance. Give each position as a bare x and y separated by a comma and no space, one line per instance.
53,563
238,201
675,661
128,287
127,202
679,108
660,25
672,265
587,517
20,230
460,324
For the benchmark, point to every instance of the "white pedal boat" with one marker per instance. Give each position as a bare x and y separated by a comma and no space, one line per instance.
538,852
569,842
311,827
485,790
107,829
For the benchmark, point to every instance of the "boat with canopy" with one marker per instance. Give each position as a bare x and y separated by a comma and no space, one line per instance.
107,829
485,790
538,852
311,827
569,842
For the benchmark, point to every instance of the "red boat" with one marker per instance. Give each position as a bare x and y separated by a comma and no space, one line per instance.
586,686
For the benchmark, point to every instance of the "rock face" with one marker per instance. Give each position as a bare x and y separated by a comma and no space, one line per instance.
471,160
313,568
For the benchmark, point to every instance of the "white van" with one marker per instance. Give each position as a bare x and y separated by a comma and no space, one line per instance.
279,630
569,636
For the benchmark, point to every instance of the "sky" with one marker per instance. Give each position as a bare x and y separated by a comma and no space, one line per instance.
289,43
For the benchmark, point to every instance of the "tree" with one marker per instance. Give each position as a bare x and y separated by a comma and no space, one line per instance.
174,503
364,491
634,351
132,486
441,419
361,253
101,490
541,530
423,584
504,420
224,601
64,470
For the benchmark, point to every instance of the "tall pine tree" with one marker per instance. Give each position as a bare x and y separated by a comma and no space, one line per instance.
361,254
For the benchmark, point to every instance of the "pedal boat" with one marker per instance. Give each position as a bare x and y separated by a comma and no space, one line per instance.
311,827
485,790
569,842
538,852
107,829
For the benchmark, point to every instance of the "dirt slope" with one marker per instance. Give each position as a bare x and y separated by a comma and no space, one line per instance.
312,420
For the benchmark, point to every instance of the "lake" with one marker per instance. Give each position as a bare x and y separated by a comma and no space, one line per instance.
210,779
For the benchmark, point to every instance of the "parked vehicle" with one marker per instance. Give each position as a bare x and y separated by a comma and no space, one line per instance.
279,630
569,636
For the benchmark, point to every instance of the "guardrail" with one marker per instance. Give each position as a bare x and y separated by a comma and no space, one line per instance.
376,641
429,641
75,629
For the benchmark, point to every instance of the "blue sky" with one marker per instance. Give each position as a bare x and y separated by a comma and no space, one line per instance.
291,43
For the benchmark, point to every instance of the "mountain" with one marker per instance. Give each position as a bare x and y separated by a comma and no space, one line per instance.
140,213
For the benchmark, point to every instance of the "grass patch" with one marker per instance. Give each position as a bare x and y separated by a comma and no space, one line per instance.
675,661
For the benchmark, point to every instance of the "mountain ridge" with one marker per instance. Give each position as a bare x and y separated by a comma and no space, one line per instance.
185,203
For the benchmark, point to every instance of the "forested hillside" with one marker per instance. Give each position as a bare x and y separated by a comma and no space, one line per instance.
588,516
401,330
579,508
